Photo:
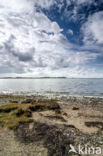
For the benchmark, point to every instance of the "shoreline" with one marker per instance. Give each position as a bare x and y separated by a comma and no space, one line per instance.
56,123
49,94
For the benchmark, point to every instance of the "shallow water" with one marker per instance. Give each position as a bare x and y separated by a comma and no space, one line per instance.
76,87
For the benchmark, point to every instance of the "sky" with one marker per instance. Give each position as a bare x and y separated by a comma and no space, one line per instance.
51,38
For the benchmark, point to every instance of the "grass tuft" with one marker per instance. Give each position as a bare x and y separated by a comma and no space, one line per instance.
13,114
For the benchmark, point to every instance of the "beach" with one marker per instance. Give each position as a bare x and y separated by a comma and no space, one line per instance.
51,77
50,124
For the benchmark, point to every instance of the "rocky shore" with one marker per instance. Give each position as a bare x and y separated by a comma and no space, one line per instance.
50,126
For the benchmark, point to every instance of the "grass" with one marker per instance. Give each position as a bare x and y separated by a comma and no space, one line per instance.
3,96
13,114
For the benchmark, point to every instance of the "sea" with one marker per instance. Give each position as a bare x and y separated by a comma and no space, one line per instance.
65,86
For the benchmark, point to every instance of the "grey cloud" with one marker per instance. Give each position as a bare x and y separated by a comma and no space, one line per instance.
11,69
32,44
8,64
25,57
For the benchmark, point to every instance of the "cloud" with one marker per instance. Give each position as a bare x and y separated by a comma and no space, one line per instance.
70,32
60,3
83,1
32,44
16,6
45,3
79,10
93,29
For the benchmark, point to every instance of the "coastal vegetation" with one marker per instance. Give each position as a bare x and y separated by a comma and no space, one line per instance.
14,113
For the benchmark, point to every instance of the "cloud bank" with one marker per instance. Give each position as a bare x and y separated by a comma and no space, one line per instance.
31,44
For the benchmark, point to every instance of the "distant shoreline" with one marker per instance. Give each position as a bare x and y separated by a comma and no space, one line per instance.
47,78
33,77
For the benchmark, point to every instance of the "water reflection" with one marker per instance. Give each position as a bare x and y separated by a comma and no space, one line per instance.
84,87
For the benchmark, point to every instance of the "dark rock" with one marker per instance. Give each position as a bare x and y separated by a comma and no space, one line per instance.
75,108
28,101
94,124
71,126
13,101
19,112
57,117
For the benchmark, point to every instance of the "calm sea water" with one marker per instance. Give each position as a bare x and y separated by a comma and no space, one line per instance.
78,87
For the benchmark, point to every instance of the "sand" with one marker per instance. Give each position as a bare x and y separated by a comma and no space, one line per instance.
50,134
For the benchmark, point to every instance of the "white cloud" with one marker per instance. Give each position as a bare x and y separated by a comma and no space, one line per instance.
16,6
70,32
93,29
32,44
45,3
83,1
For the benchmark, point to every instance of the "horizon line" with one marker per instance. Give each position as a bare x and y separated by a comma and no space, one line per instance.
47,77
